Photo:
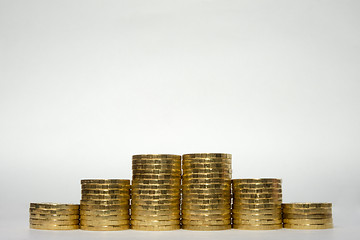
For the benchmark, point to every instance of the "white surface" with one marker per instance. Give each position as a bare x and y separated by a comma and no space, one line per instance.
86,84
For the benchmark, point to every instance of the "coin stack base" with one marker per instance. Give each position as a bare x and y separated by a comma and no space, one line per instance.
307,216
206,192
54,216
156,192
257,204
105,204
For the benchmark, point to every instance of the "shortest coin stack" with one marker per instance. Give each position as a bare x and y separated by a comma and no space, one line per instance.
54,216
307,215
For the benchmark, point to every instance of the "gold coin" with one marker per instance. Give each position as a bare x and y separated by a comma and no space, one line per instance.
223,161
201,181
105,228
191,171
156,156
306,216
106,192
308,210
309,226
259,195
257,206
112,186
105,212
189,196
155,197
156,207
261,190
155,217
206,155
52,211
258,227
257,180
206,222
96,197
155,228
206,227
155,192
105,202
259,201
157,201
257,221
155,187
256,211
250,186
206,217
207,175
176,176
107,207
173,172
257,216
307,205
55,227
308,221
154,222
164,166
54,222
106,222
155,212
156,162
53,216
208,186
216,165
54,206
206,201
174,182
205,211
206,191
106,181
102,217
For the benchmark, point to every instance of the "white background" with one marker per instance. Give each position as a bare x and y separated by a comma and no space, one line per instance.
86,84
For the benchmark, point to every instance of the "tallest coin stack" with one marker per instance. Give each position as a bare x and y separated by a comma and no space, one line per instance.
156,185
206,191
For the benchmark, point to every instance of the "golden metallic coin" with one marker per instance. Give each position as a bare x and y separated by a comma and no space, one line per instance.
157,202
176,176
112,186
155,207
156,162
105,202
174,182
155,228
256,216
96,197
205,211
259,201
118,211
51,211
164,166
206,191
155,217
207,165
206,227
105,228
188,162
154,212
154,187
54,222
191,171
156,156
257,206
205,207
55,227
261,190
201,181
206,222
155,197
155,191
206,155
258,227
106,222
206,201
258,195
308,210
206,217
103,217
309,221
105,192
53,216
104,207
208,186
257,221
256,180
306,216
306,205
173,172
155,222
257,211
251,186
309,226
54,206
191,196
106,181
207,175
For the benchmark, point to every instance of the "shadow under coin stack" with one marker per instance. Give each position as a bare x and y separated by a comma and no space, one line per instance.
155,203
105,204
206,191
53,216
257,204
307,215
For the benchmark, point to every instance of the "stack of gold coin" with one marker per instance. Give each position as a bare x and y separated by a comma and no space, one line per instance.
307,215
54,216
257,204
104,204
206,198
155,203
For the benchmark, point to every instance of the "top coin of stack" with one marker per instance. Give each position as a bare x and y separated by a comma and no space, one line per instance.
105,204
54,216
155,203
307,215
257,204
206,191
